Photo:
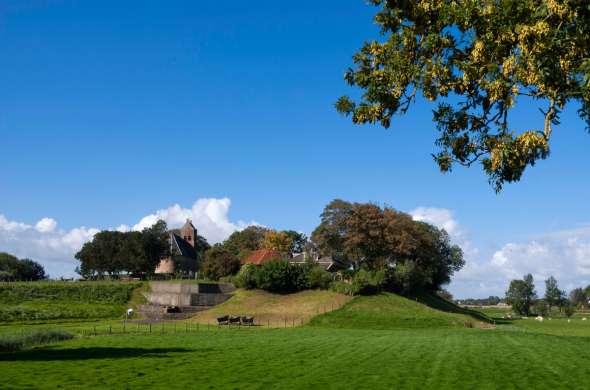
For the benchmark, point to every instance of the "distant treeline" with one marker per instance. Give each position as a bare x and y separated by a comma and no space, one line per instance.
490,301
15,269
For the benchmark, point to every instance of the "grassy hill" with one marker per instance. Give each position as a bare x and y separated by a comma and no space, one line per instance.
391,311
274,309
41,301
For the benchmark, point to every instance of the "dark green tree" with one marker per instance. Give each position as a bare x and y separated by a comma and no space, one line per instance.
220,262
28,269
521,295
13,269
475,60
373,238
299,241
553,295
568,308
241,243
155,245
578,297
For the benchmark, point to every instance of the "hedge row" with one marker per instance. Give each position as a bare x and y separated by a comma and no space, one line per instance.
79,292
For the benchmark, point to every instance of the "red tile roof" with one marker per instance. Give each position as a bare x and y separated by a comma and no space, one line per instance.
262,256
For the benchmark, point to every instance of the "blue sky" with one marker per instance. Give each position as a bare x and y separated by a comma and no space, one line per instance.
110,111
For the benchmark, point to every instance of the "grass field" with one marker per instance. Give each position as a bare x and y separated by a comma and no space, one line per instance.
383,341
42,301
275,309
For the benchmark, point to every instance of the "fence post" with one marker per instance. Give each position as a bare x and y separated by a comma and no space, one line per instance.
150,327
285,322
111,329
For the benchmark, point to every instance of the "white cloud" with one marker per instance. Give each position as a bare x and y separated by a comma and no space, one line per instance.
209,215
564,254
444,219
46,225
55,248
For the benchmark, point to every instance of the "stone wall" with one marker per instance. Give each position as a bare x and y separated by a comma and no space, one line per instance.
188,294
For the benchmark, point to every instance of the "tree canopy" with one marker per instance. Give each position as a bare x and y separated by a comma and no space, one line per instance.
113,253
374,238
475,60
521,295
14,269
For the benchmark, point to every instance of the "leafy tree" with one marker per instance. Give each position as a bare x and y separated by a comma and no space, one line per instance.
445,294
578,297
112,253
568,308
299,241
282,277
155,245
521,294
329,237
8,266
241,243
374,238
278,241
220,262
476,59
28,269
13,269
541,308
553,295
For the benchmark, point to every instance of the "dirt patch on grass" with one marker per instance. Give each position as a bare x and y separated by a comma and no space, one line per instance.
275,310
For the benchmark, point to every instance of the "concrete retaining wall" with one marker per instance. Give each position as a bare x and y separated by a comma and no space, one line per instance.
188,294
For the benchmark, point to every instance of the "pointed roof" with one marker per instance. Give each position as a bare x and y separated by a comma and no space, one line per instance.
183,247
262,256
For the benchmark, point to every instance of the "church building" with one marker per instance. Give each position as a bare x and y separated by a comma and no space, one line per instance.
182,244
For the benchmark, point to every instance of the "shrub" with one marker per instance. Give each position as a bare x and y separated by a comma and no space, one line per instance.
282,277
219,262
343,288
319,278
247,277
568,309
368,282
17,342
541,308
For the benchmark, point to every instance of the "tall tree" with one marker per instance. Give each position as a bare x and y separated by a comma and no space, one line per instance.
553,295
220,262
475,59
13,268
299,241
375,238
241,243
578,297
278,241
155,245
521,295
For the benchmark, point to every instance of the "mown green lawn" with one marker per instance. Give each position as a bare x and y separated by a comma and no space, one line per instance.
379,342
307,357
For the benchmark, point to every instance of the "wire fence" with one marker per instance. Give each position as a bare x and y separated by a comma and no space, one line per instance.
155,328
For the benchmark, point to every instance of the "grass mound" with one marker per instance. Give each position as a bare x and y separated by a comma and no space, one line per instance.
274,309
391,311
38,301
12,342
